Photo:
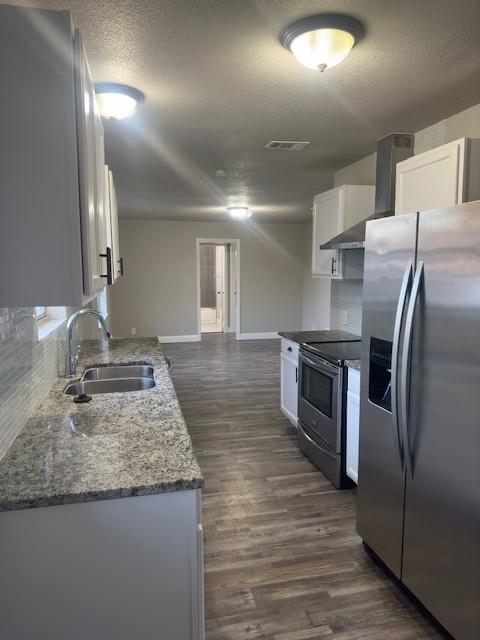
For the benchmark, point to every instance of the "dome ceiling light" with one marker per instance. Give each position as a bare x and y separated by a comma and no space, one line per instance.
322,41
117,101
239,213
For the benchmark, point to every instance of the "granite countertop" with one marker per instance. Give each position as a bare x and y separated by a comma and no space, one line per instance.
354,364
118,445
318,336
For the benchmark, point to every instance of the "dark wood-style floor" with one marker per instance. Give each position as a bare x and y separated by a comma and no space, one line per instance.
282,558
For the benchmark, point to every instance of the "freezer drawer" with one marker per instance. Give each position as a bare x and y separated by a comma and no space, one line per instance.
322,456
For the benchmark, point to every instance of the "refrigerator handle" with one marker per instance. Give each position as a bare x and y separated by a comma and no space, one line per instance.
406,282
406,357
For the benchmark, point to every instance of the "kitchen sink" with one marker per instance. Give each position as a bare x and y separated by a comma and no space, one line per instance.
118,371
114,379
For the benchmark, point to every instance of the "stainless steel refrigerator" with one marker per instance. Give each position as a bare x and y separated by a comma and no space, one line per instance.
419,461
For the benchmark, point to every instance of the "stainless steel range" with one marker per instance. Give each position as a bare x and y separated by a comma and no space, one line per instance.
322,389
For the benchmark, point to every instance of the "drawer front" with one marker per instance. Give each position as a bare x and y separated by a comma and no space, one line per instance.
290,348
321,455
354,381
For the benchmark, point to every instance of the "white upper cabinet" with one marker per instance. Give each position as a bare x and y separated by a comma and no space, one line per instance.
53,217
441,177
91,173
335,211
112,226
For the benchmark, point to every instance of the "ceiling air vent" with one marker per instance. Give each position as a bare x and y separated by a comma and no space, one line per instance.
287,145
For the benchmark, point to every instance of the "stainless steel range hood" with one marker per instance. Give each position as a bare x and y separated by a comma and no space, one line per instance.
390,150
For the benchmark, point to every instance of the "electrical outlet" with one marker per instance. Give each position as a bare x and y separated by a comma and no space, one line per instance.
344,317
314,327
133,331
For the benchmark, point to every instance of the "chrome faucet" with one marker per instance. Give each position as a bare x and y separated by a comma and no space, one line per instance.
71,324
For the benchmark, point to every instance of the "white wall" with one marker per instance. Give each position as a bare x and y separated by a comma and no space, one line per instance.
158,293
345,296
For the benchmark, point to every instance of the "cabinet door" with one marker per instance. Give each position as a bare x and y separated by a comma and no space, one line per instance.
328,214
431,180
353,426
116,257
88,179
103,231
289,388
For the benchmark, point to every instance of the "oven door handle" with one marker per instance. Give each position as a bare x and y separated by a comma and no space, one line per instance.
320,365
399,316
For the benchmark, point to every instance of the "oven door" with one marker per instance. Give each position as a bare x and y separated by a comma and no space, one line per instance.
320,398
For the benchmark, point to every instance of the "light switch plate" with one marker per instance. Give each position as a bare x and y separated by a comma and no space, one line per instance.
344,317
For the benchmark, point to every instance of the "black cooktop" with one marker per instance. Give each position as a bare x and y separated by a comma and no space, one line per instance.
336,352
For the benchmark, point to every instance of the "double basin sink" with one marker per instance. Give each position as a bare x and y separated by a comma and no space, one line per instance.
112,379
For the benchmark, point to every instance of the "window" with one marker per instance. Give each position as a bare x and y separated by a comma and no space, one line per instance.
102,303
40,312
48,319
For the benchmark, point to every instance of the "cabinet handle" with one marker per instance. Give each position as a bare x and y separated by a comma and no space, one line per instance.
121,266
108,275
334,260
289,348
296,375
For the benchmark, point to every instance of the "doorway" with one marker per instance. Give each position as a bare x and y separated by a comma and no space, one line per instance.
218,297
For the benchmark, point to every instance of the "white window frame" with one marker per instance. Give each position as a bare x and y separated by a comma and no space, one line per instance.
102,303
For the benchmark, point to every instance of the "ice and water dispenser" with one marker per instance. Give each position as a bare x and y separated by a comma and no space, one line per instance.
379,385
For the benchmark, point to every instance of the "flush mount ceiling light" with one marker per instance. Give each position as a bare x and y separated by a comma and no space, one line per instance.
322,41
117,101
239,213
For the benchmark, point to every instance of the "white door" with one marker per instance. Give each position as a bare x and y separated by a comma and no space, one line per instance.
327,223
289,388
432,179
220,284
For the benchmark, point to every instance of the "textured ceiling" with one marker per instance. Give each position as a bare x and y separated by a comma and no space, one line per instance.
219,86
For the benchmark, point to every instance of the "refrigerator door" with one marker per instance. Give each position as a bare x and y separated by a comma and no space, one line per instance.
389,260
441,558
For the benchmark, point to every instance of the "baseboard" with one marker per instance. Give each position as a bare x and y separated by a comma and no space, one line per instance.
269,335
166,339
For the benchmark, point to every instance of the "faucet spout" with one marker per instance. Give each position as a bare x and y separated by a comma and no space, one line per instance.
71,326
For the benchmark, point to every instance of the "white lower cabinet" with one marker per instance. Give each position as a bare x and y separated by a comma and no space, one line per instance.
353,423
125,568
289,381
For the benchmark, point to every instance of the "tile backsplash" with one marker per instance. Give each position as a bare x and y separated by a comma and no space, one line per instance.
28,368
346,305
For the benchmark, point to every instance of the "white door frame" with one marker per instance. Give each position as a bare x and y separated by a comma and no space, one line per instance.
235,242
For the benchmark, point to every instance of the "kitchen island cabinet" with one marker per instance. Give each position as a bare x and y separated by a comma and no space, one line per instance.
289,380
100,514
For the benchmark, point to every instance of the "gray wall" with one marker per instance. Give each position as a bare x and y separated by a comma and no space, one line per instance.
158,294
316,291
